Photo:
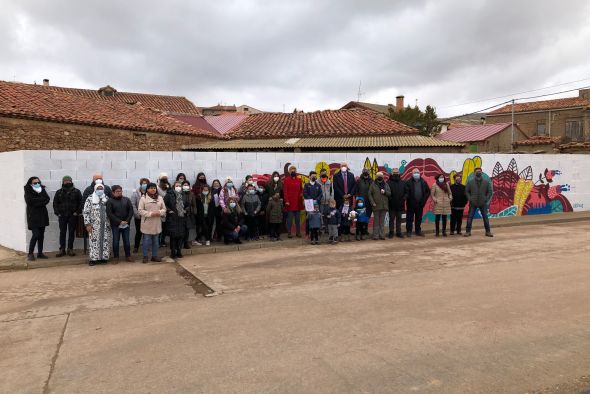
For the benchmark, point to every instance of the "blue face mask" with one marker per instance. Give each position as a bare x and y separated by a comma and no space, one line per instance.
37,187
252,191
230,185
416,176
100,193
205,193
232,205
360,205
144,187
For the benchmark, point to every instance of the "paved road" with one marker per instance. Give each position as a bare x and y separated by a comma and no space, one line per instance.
508,314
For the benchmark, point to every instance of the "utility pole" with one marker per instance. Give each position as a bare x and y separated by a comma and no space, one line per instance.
512,125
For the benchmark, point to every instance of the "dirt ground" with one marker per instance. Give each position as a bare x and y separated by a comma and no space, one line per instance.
456,315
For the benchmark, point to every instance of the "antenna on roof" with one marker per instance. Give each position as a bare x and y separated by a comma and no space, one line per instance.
360,93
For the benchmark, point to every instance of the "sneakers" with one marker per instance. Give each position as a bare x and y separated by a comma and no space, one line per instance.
489,234
208,243
197,243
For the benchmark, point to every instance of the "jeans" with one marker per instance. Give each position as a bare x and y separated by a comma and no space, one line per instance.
233,236
37,238
152,240
67,224
137,233
294,215
333,231
395,221
124,232
414,217
484,216
456,220
378,224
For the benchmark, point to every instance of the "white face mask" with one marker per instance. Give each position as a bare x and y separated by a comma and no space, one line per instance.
343,169
276,178
178,189
100,193
441,180
186,188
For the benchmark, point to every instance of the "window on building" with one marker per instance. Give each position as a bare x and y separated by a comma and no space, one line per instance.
573,130
540,127
473,148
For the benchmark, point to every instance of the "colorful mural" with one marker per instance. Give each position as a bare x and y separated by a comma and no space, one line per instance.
516,192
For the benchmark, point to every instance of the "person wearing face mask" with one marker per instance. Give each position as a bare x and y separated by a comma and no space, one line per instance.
441,197
312,191
379,194
97,178
344,184
251,206
274,185
232,222
66,206
175,219
98,226
397,202
191,213
362,189
36,198
293,200
479,193
274,215
206,216
458,204
228,191
417,192
362,219
135,197
151,208
199,183
215,191
327,195
163,188
261,219
120,213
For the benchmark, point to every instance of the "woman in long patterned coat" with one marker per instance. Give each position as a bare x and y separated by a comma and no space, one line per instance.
98,226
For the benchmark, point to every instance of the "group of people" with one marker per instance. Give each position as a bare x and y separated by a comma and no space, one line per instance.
170,210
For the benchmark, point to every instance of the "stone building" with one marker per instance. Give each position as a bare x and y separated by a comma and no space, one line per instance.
44,117
565,117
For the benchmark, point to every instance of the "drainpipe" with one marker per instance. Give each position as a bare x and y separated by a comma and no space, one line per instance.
549,125
512,126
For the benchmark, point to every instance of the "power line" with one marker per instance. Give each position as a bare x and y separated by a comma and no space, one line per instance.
520,98
514,94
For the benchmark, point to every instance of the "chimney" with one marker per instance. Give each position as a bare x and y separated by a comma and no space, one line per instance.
399,103
584,93
46,82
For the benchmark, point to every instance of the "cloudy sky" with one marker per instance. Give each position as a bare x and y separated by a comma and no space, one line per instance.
305,54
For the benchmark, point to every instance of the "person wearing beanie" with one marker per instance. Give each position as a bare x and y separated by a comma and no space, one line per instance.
379,194
67,206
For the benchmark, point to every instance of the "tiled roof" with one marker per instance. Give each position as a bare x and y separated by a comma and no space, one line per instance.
384,109
574,147
570,102
198,122
400,141
330,123
170,104
539,140
19,100
225,122
473,133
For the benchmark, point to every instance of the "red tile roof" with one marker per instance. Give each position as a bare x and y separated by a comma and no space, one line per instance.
19,100
170,104
198,122
570,102
384,109
330,123
225,122
473,133
539,140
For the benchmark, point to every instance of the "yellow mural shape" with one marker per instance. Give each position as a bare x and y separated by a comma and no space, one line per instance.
322,165
469,166
521,193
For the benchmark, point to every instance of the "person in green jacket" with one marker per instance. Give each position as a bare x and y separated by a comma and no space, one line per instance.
274,214
379,193
479,193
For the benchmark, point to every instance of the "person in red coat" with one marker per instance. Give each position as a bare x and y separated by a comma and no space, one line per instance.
293,200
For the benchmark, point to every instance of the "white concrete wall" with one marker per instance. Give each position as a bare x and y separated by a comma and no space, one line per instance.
125,169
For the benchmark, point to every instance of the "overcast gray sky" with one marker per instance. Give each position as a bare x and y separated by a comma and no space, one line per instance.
308,54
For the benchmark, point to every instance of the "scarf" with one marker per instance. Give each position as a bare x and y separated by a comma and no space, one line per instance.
179,204
153,196
443,186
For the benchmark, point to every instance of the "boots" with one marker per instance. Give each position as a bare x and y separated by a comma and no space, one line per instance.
71,253
61,253
390,235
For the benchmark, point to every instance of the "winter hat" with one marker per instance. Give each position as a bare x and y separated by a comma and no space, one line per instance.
66,178
379,173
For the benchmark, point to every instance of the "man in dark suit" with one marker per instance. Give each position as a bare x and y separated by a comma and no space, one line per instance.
344,185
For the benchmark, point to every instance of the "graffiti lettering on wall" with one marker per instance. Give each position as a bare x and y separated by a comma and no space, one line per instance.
516,192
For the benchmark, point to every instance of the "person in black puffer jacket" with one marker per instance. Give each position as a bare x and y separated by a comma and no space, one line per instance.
66,206
36,198
458,204
397,202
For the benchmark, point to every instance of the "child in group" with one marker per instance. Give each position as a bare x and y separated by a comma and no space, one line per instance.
251,206
314,220
345,222
334,217
274,214
362,220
